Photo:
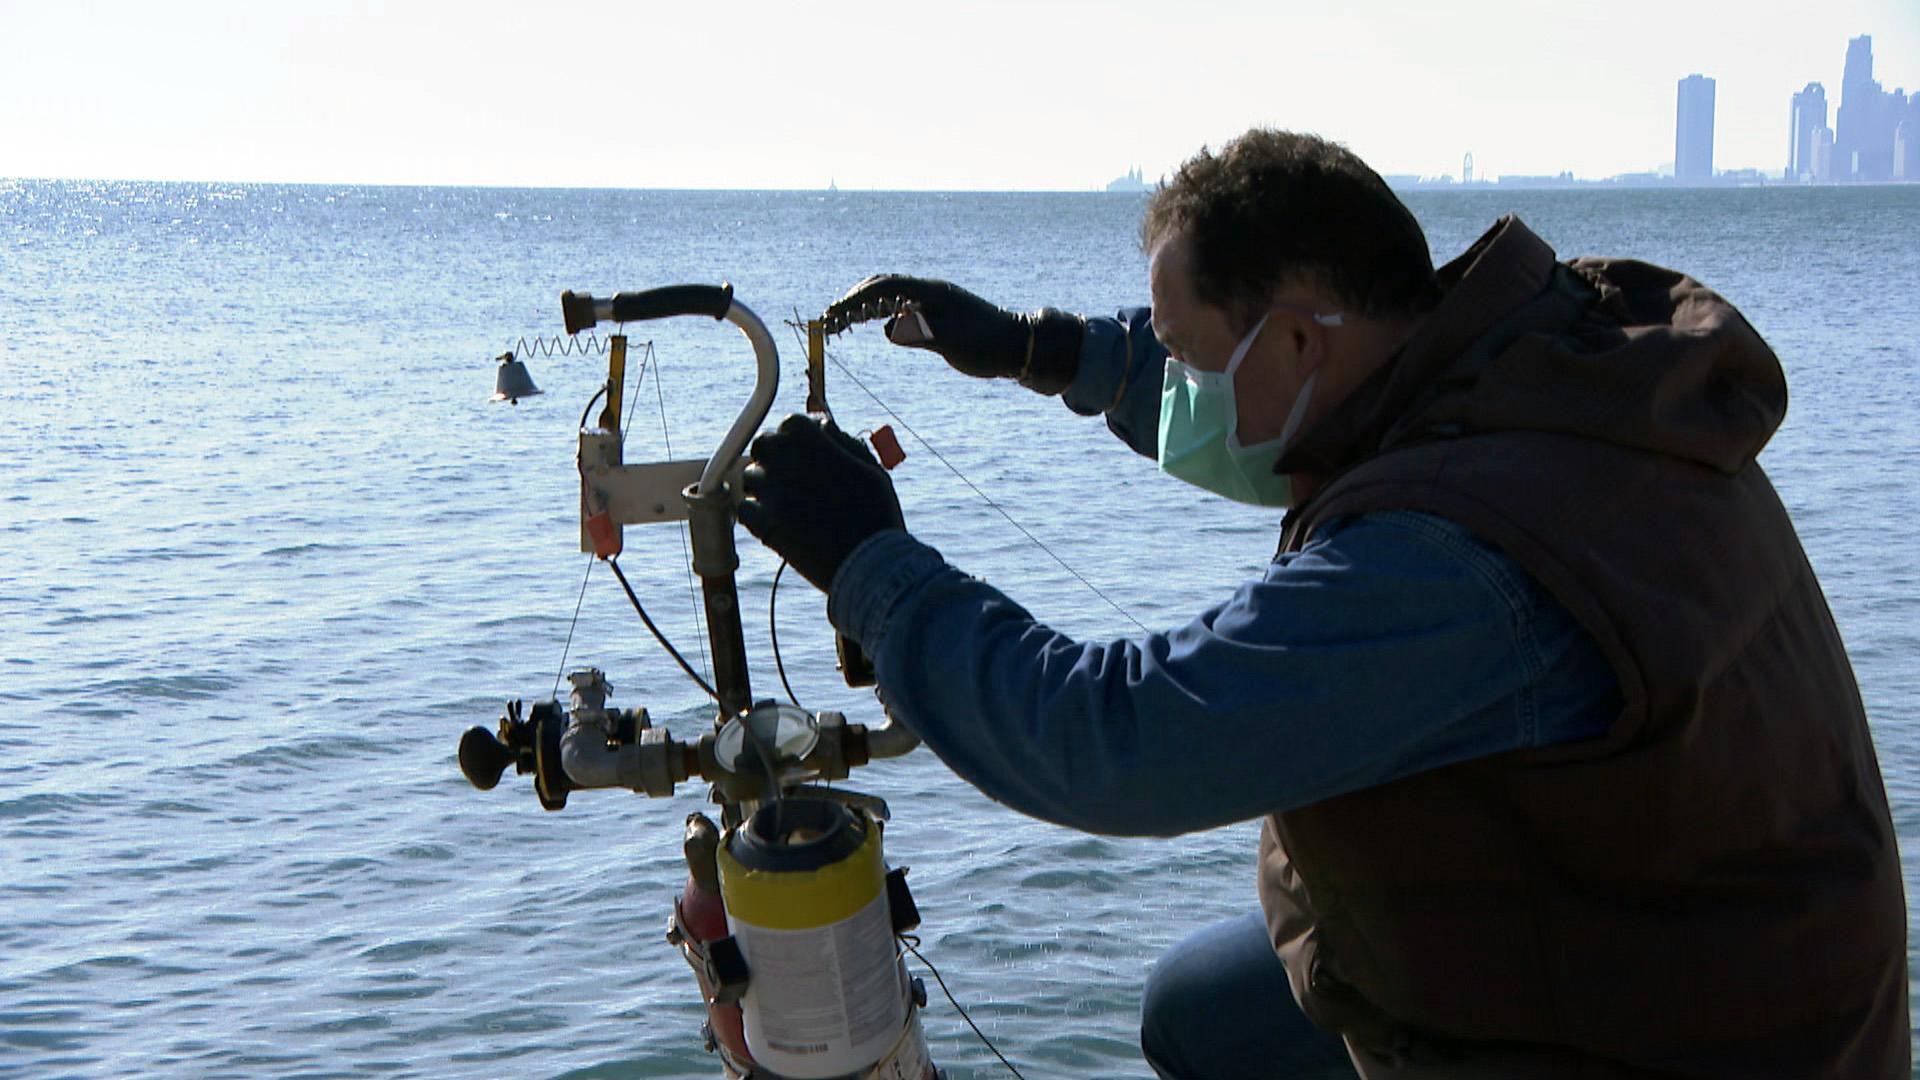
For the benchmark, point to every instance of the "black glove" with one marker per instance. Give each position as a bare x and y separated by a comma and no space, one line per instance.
813,494
1042,350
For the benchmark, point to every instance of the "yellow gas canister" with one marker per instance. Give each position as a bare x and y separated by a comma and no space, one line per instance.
804,883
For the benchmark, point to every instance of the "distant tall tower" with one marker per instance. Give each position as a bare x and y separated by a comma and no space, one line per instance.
1856,150
1808,117
1466,168
1693,132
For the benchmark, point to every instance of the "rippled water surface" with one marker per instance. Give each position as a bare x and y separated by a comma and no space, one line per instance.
265,552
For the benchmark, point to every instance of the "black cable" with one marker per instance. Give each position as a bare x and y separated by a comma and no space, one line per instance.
773,632
761,751
658,636
590,404
910,942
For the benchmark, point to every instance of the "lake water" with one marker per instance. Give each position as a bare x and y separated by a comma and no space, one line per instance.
265,551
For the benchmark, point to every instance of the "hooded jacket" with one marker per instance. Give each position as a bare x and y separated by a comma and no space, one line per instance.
1712,888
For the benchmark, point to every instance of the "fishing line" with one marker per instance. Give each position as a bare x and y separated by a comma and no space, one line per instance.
646,358
568,647
911,942
984,497
686,549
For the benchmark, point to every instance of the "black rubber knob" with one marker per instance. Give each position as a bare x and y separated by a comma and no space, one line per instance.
483,758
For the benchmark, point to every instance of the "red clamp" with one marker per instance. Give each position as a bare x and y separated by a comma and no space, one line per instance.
606,539
887,445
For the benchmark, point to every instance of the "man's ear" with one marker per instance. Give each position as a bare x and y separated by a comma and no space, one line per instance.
1308,338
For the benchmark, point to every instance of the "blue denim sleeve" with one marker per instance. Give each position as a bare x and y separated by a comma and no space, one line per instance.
1121,363
1392,644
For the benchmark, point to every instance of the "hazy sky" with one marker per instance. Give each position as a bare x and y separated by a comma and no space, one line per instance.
994,94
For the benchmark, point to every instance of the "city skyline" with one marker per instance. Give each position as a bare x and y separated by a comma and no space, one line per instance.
995,95
1875,135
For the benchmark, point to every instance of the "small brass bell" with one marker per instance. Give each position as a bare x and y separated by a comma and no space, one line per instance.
511,382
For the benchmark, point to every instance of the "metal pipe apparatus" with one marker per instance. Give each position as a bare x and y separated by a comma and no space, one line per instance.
790,917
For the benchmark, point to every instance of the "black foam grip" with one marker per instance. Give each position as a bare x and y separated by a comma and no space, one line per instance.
671,300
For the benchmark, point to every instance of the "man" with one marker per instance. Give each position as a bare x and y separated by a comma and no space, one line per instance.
1564,769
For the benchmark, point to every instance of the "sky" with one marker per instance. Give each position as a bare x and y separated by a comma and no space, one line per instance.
994,94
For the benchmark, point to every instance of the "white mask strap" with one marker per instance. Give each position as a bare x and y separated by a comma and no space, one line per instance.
1299,410
1246,345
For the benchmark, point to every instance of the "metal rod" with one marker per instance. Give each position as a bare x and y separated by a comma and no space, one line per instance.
710,520
765,385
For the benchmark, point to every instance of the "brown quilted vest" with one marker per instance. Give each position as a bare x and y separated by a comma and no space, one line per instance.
1711,889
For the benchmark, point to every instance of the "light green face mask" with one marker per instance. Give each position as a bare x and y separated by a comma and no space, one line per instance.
1199,425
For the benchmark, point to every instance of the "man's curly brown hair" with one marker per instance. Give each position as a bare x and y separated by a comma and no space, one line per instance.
1273,207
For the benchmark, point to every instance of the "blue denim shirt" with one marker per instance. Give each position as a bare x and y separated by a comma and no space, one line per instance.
1390,644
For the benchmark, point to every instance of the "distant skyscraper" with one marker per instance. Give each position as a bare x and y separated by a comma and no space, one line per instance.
1912,147
1809,116
1895,110
1693,131
1906,141
1850,119
1823,154
1865,121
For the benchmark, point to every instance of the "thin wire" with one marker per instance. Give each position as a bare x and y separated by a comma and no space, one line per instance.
640,377
657,635
911,942
984,497
568,647
558,675
773,632
686,549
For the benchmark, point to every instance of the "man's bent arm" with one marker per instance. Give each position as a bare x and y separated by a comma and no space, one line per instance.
1396,644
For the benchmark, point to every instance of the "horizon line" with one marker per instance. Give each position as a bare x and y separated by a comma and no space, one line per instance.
1734,177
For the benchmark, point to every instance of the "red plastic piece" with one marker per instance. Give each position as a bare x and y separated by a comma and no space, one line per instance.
606,539
887,445
703,917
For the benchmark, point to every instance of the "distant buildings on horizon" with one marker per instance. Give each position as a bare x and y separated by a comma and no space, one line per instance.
1875,138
